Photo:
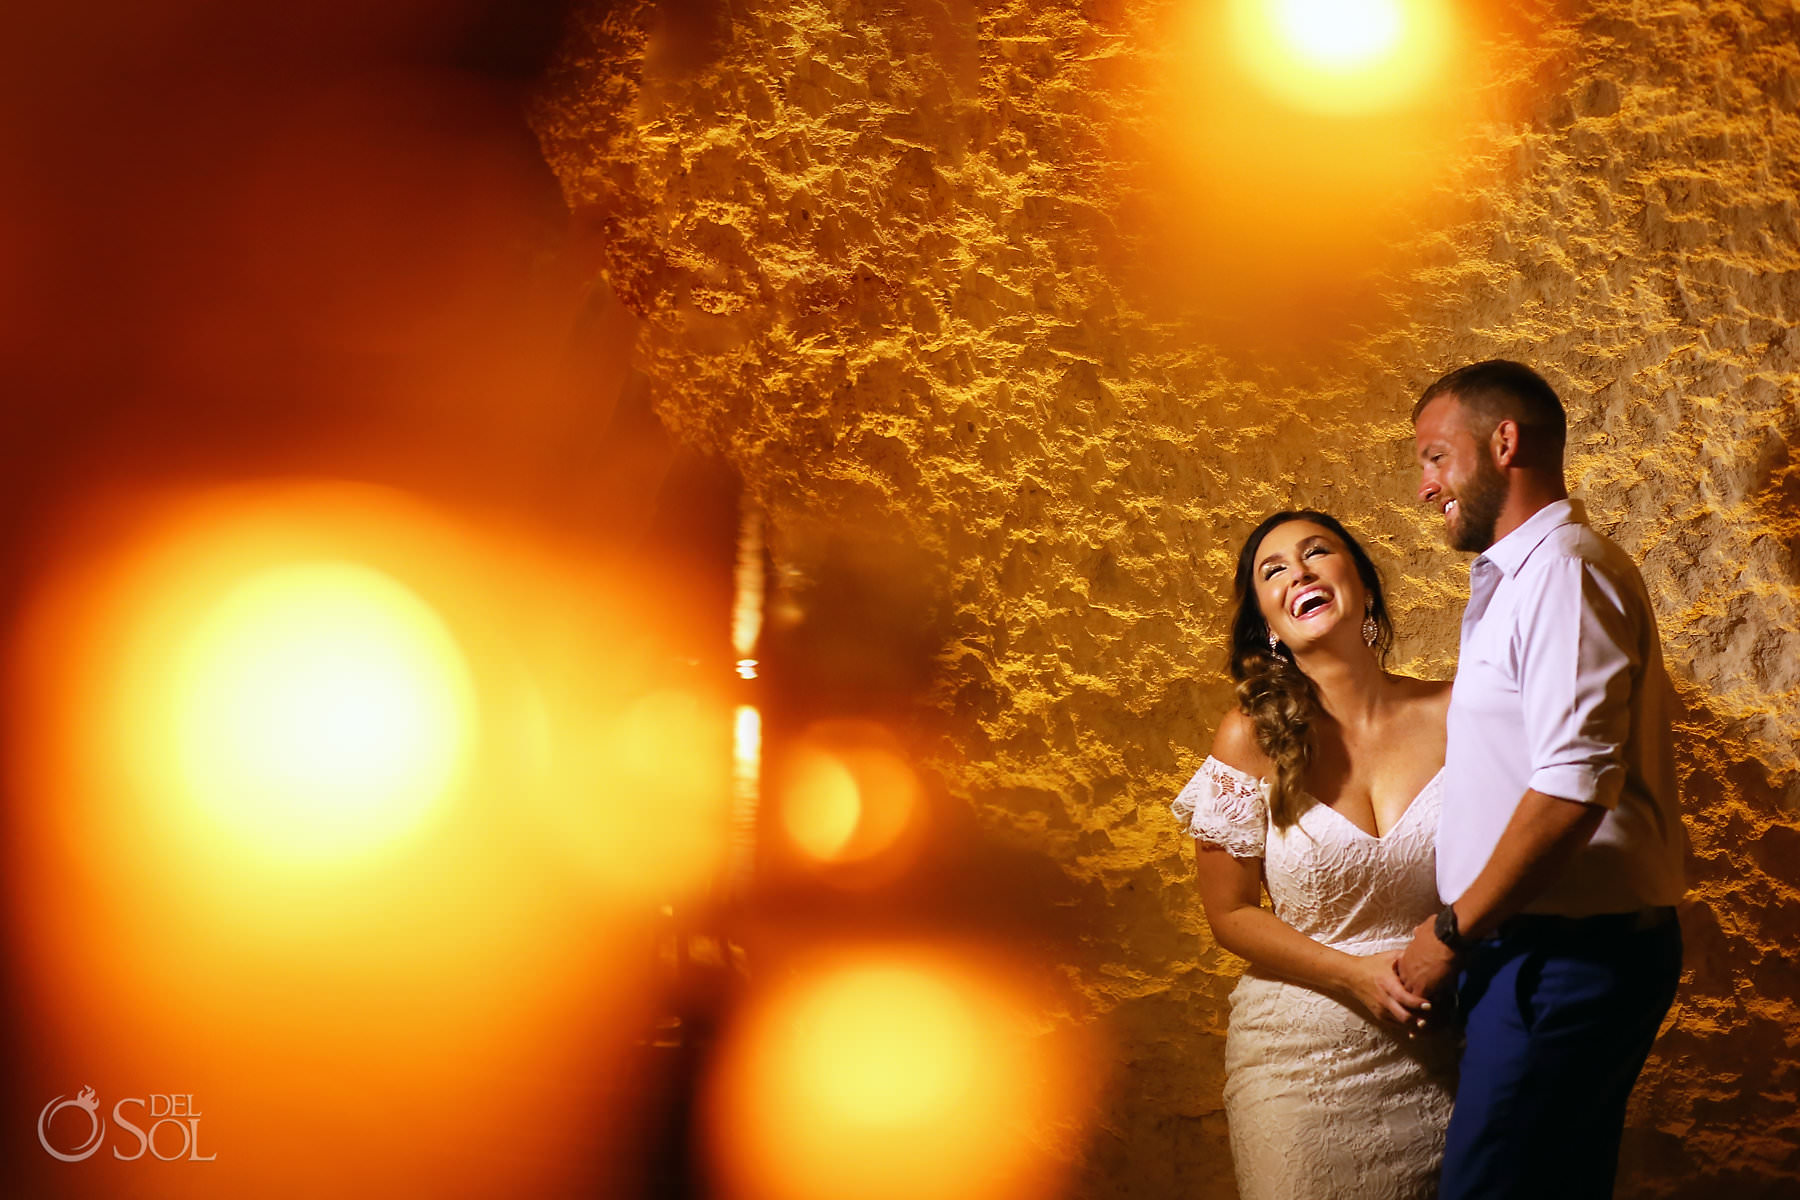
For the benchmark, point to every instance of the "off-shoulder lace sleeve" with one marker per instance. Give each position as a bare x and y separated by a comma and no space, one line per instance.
1226,808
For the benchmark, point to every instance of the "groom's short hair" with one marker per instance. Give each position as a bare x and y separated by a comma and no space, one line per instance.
1500,390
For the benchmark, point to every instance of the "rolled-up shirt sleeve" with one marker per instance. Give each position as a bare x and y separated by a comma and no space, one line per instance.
1575,681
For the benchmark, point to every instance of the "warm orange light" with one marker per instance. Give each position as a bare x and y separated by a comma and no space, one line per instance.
1301,144
889,1046
821,804
316,710
890,1075
1342,57
848,794
746,792
662,801
269,845
748,586
636,798
1339,34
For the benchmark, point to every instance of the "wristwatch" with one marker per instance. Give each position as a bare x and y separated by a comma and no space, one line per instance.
1448,933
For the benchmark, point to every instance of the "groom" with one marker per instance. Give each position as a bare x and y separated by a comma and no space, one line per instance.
1559,853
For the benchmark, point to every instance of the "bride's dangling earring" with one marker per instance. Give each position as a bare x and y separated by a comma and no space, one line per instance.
1274,642
1370,630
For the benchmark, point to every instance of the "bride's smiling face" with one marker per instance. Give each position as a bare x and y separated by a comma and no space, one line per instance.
1307,584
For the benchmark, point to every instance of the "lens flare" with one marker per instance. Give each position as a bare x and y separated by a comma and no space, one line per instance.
1342,57
319,709
663,805
638,801
848,796
821,804
746,793
287,760
1339,34
890,1046
890,1075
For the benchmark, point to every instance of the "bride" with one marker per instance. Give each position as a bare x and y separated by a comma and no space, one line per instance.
1323,787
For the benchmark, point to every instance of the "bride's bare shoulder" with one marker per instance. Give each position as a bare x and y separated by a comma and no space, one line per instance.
1235,745
1425,699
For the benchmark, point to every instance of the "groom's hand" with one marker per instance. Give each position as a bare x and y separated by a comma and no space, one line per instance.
1426,966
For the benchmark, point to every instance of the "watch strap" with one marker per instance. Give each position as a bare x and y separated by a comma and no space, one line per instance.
1449,933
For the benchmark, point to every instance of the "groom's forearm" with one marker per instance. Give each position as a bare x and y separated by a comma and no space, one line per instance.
1545,833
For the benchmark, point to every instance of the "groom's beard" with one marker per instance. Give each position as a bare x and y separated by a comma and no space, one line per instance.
1478,504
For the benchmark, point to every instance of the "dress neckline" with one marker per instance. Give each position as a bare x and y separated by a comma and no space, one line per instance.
1405,813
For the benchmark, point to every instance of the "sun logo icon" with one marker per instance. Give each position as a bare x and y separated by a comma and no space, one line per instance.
88,1102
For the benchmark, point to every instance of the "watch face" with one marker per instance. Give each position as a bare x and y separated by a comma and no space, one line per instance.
1446,928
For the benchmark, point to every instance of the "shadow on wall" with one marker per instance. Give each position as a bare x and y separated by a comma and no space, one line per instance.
1735,1007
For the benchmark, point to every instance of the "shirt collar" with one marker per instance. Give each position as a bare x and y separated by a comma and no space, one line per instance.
1511,551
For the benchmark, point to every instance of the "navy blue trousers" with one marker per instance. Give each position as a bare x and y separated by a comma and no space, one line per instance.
1560,1014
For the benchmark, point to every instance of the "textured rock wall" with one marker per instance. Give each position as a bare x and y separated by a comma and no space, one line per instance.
882,258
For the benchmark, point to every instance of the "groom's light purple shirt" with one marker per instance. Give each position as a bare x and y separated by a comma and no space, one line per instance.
1560,687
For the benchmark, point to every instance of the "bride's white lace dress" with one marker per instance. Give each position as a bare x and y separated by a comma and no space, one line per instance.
1324,1102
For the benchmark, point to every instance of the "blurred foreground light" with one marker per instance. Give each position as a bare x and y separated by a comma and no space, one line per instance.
892,1075
1340,33
637,798
1301,147
318,709
662,805
748,587
1343,57
848,796
821,804
746,793
313,771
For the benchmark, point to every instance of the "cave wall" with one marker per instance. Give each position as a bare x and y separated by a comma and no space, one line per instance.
884,261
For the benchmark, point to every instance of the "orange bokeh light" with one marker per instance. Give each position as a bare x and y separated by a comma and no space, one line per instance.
1342,57
641,805
1289,151
848,796
317,709
892,1074
821,804
347,816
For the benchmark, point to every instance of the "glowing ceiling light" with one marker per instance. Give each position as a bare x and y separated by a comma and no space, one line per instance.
318,709
1342,57
1340,33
